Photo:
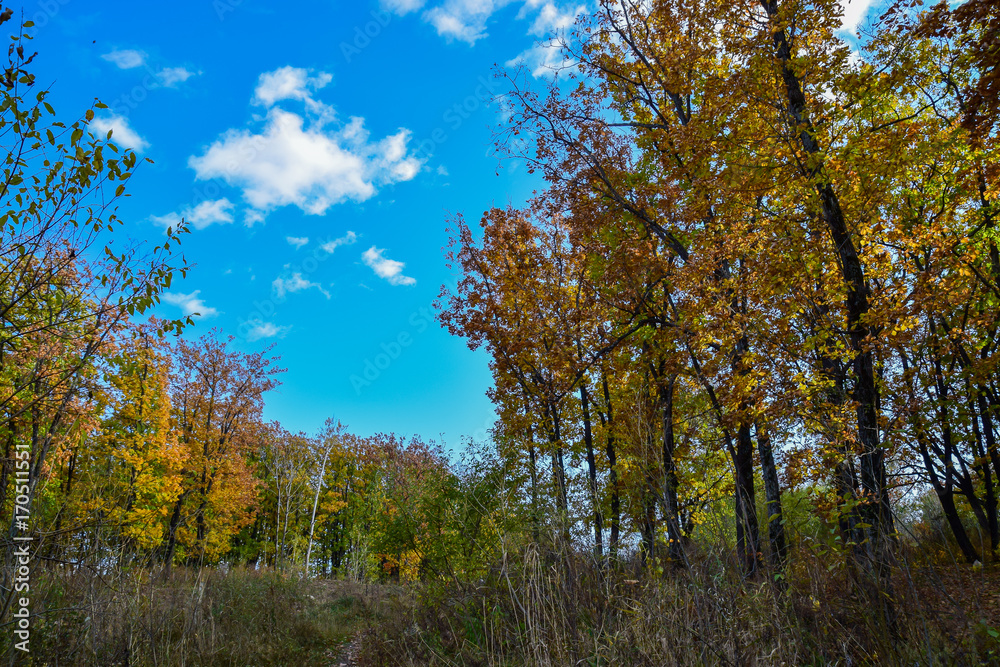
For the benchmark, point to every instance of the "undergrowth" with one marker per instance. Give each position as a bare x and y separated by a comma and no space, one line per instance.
208,617
537,610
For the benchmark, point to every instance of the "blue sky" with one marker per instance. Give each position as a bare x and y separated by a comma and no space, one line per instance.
317,149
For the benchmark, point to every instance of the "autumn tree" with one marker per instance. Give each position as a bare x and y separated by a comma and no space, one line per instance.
66,292
218,397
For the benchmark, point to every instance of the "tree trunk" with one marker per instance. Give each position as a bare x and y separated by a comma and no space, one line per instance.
875,511
288,512
648,523
312,520
845,478
747,527
772,494
592,474
670,483
990,472
612,473
559,473
6,466
533,464
946,496
175,519
741,453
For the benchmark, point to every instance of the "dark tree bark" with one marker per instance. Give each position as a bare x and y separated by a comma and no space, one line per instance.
559,471
6,467
772,495
741,453
946,495
612,471
175,520
988,471
533,470
875,509
592,473
648,522
670,483
747,527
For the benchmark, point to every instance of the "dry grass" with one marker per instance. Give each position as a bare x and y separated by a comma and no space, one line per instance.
532,608
209,617
543,612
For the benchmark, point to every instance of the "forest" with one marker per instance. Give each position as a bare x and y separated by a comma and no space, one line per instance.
744,350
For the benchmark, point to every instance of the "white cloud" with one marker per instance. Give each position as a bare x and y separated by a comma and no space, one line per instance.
296,283
297,241
551,19
309,166
346,239
201,216
855,12
551,23
289,83
464,20
251,217
266,330
132,58
122,133
125,58
543,59
190,304
388,269
402,7
171,76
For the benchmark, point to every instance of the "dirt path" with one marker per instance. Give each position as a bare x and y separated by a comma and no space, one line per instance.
346,655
